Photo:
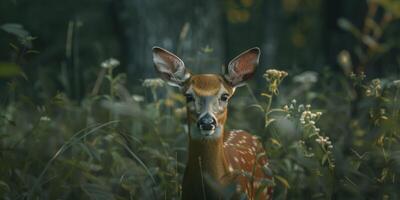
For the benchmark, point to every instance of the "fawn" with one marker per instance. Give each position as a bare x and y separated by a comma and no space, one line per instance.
217,159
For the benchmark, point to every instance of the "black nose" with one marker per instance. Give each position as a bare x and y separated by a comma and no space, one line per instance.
207,123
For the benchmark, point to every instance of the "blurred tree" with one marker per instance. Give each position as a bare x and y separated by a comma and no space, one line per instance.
293,33
190,28
71,41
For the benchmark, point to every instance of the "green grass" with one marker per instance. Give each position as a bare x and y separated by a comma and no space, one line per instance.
119,146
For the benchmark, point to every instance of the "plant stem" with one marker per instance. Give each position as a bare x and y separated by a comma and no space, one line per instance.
111,78
268,108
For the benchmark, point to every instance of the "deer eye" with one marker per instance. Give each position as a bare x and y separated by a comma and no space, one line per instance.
224,97
189,97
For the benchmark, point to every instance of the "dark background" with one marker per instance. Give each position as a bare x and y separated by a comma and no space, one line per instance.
301,34
72,129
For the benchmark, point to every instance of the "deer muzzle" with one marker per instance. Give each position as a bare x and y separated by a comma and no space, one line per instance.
207,123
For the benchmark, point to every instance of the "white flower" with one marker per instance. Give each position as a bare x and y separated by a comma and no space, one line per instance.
396,83
45,118
307,78
137,98
273,74
323,140
286,108
110,63
153,82
300,108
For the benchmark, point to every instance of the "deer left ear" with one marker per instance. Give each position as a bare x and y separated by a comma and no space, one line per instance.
170,67
242,67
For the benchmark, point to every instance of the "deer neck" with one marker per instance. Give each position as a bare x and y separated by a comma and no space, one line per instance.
206,158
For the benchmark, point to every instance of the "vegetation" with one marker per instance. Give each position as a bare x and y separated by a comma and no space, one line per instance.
76,133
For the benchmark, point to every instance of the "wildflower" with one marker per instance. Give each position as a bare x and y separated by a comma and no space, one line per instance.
344,60
374,88
396,83
285,107
180,112
153,82
323,140
357,78
300,108
274,78
383,114
368,92
305,117
308,118
110,63
273,74
137,98
307,79
45,118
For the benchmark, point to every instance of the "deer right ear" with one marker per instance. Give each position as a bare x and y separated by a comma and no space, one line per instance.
170,67
242,67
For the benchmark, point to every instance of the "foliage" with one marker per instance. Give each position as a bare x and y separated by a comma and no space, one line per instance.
116,145
328,134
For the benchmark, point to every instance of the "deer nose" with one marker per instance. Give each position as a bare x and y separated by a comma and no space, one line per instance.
207,122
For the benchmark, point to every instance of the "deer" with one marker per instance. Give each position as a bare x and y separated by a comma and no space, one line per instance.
217,159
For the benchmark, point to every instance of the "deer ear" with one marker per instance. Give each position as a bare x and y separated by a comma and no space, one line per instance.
170,67
242,67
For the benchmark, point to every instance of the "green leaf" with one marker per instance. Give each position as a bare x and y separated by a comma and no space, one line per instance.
4,187
348,26
276,142
98,192
257,106
9,70
15,29
324,159
284,182
268,122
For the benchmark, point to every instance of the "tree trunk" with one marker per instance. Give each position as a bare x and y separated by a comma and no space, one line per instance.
187,32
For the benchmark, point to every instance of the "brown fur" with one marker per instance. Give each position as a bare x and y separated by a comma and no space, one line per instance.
214,165
207,84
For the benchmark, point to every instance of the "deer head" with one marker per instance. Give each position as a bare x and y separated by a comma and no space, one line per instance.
207,95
